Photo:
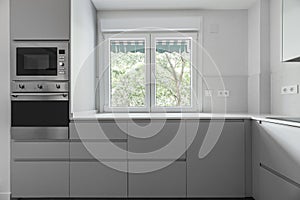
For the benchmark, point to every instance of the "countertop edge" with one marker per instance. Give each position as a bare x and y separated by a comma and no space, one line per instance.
92,116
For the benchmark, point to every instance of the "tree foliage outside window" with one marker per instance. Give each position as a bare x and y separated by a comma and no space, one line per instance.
128,77
173,79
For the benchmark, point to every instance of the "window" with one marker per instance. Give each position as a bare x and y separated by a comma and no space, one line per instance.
150,72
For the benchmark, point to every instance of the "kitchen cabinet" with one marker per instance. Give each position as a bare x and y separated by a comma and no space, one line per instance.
94,179
157,140
40,179
274,187
157,148
40,19
94,130
93,140
221,173
276,161
170,181
40,169
98,150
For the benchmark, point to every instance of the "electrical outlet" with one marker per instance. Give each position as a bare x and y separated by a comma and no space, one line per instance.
208,93
223,93
292,89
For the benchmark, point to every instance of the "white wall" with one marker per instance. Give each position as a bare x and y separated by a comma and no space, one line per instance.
227,46
4,102
258,58
83,57
282,74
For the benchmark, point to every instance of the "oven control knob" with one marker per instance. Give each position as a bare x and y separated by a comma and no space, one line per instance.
40,86
22,86
57,86
61,64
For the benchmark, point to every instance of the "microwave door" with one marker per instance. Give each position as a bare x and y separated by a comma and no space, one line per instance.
39,61
36,61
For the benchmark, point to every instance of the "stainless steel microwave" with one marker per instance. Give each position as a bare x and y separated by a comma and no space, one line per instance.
38,60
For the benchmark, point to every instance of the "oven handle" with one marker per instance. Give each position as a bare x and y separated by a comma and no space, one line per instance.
39,96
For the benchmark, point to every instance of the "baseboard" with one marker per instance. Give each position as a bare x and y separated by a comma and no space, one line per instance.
4,195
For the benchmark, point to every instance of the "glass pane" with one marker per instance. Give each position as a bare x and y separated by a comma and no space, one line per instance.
127,73
173,73
37,61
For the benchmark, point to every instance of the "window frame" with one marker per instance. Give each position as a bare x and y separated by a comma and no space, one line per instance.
107,82
149,38
194,79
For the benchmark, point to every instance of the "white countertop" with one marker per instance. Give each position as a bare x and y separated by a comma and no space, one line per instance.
92,115
110,116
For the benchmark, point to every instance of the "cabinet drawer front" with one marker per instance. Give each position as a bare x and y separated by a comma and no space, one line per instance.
157,140
101,150
40,150
40,179
166,182
280,149
102,130
275,188
96,180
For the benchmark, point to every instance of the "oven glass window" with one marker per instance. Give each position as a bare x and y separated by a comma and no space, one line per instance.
37,61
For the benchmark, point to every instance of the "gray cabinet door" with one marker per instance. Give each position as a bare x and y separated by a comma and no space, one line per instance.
108,130
272,187
221,173
157,140
95,179
169,181
98,150
40,19
279,147
40,179
40,150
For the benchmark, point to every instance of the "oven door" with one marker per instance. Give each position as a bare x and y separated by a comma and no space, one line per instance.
40,116
40,61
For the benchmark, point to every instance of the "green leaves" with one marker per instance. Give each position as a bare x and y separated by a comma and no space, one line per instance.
172,78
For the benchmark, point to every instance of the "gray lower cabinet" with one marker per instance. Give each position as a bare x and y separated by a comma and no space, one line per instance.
40,179
96,179
170,181
272,187
40,19
221,172
102,130
40,169
276,167
157,140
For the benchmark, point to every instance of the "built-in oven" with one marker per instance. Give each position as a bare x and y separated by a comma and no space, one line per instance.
40,60
39,115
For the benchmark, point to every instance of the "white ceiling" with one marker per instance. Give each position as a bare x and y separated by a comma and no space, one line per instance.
171,4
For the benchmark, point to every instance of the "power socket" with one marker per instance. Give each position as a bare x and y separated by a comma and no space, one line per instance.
223,93
292,89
